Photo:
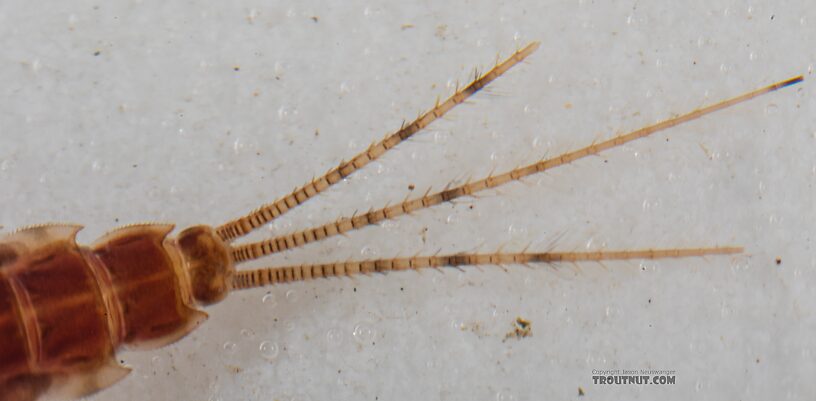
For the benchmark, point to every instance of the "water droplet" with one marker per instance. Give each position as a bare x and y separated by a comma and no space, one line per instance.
630,19
802,21
367,11
155,360
230,347
658,63
517,36
726,12
440,137
247,333
364,333
290,12
278,68
646,205
723,68
269,350
771,109
752,56
96,166
495,156
334,336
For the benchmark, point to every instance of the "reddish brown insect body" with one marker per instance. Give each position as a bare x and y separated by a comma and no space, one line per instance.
65,309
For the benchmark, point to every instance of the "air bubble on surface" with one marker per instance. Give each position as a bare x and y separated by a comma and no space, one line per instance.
238,146
230,347
289,326
363,333
368,251
300,397
516,230
291,296
252,15
345,88
505,395
269,300
283,112
452,218
334,336
269,350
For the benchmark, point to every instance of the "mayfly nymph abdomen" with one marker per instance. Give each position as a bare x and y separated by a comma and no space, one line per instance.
65,308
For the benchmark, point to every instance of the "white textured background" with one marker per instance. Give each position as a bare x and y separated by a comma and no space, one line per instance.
123,112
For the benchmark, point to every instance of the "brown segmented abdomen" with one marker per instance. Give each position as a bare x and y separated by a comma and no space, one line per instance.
65,309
